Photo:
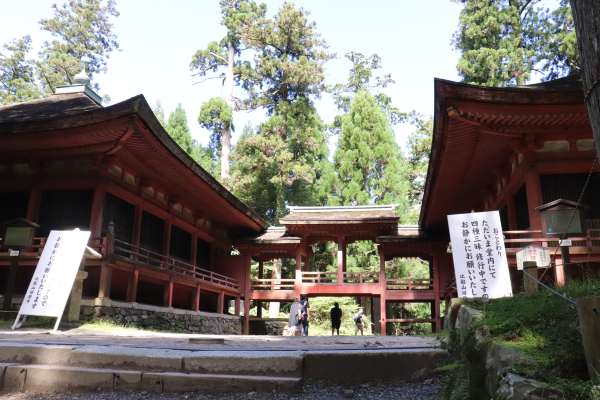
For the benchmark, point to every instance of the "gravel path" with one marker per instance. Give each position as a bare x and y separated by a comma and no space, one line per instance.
428,390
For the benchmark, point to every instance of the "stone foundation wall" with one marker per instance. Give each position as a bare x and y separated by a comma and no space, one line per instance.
161,318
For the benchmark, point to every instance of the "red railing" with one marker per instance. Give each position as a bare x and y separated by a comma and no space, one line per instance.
38,244
319,278
131,253
272,284
409,284
359,278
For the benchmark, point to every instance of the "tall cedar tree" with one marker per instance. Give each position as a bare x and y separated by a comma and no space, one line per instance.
177,127
216,114
278,164
502,41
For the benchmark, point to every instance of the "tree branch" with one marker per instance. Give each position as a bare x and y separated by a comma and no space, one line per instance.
207,68
211,77
218,56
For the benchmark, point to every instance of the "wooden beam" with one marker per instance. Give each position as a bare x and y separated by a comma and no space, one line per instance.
383,292
341,258
98,208
168,294
105,280
236,308
220,302
34,204
167,238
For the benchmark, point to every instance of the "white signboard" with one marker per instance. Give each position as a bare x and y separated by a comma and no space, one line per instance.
565,242
541,255
479,256
54,275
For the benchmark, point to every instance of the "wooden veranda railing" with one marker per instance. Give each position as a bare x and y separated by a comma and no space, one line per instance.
129,252
38,244
272,284
359,278
319,278
409,284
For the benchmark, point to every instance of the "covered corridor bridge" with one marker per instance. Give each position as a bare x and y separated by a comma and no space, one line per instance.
305,226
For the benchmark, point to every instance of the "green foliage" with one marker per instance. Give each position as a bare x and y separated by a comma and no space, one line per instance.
289,61
320,314
360,79
17,80
367,161
216,116
418,151
501,42
84,38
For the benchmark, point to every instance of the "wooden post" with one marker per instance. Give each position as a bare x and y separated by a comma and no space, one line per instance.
106,268
531,286
435,275
167,238
341,258
534,198
137,224
246,330
298,282
260,276
383,289
221,302
566,262
512,216
196,298
97,209
132,286
559,272
236,308
168,293
34,204
194,249
588,310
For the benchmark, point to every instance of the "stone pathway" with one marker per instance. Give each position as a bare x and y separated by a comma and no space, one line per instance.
427,390
144,338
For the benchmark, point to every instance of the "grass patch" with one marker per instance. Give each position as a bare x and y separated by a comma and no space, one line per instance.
31,322
544,327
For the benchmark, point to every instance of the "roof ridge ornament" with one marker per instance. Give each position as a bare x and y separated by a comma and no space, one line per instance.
82,78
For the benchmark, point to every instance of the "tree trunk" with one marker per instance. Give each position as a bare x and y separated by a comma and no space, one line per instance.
366,305
276,274
586,14
228,97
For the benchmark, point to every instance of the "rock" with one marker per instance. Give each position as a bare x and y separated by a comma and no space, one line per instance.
595,393
514,387
428,382
423,373
349,394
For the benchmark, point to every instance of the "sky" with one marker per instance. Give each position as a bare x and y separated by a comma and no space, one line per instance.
158,38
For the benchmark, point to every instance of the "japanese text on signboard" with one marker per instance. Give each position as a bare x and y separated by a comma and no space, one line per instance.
479,255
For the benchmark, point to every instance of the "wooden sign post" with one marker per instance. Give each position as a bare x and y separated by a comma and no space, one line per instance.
531,285
588,310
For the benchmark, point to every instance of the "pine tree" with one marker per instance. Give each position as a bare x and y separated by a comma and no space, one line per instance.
85,38
218,55
418,152
17,79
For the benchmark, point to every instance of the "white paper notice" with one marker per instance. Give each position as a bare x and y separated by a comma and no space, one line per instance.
55,273
479,256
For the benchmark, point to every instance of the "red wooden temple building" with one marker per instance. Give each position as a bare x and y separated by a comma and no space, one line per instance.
68,162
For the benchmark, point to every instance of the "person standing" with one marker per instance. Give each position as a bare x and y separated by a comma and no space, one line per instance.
358,320
305,314
295,314
336,318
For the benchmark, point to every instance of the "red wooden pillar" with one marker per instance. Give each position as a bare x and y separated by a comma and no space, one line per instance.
383,290
137,224
559,272
132,286
246,330
236,309
260,276
33,206
341,264
436,289
298,282
167,238
534,198
98,209
194,248
220,302
168,294
512,216
196,298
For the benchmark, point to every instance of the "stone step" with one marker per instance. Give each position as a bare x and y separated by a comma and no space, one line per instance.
252,363
49,378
